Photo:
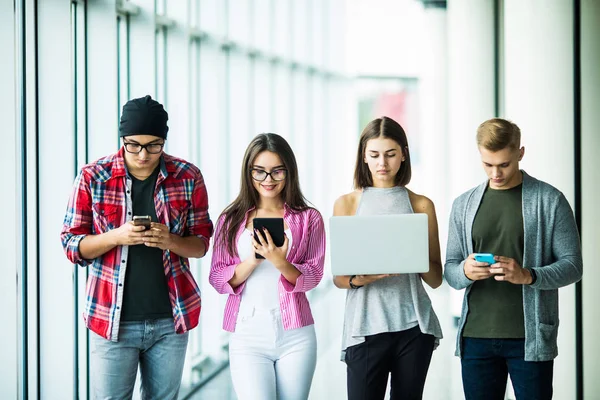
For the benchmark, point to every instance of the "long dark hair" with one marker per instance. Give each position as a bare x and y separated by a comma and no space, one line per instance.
248,197
387,128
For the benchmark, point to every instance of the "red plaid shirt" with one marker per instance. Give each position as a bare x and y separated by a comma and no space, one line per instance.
101,201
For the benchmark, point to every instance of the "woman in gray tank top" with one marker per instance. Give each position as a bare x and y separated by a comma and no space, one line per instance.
390,327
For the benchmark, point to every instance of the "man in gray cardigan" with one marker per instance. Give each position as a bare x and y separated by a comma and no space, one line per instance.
509,321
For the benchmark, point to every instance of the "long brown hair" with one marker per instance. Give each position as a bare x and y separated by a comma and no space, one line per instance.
248,197
387,128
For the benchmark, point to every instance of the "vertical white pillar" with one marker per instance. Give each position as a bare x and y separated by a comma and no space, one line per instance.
10,242
539,98
429,159
471,100
590,192
55,143
471,88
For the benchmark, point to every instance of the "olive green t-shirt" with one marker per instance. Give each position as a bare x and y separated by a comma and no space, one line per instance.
496,307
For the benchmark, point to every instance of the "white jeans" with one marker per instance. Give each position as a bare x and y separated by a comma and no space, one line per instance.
268,362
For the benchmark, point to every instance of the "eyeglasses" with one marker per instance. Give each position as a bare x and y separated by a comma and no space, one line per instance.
260,175
136,148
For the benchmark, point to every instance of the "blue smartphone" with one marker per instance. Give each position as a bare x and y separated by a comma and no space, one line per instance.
485,257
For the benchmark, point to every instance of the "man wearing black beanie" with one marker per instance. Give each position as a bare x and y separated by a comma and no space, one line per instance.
135,217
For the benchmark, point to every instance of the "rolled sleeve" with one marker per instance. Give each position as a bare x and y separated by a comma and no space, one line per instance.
78,220
222,266
311,264
199,223
219,279
72,249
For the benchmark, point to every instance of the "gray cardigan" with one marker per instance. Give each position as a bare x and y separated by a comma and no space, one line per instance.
552,249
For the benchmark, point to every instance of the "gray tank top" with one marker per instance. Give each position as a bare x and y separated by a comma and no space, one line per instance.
391,304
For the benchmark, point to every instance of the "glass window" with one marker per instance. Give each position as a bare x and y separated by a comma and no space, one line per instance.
239,126
214,162
212,16
262,25
282,101
301,134
282,26
239,25
300,31
263,97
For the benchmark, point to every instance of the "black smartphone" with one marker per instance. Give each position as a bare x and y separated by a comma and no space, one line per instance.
143,220
275,228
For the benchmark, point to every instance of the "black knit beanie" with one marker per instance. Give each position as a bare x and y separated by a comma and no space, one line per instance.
144,116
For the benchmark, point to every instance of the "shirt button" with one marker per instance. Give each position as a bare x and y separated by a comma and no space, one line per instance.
128,192
120,285
118,308
123,261
129,213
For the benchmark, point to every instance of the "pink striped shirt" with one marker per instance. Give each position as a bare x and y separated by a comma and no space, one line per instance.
307,255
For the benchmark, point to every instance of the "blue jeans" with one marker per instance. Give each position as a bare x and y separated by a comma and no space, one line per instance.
151,344
486,364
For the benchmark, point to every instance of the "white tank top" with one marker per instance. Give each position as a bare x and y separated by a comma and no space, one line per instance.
261,289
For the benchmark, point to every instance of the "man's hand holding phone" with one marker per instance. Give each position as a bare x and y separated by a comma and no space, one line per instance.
507,269
128,234
159,236
477,270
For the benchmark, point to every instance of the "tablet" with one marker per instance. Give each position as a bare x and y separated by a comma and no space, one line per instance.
275,228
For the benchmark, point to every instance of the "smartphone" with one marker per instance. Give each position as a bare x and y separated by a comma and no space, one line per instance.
275,228
142,220
485,257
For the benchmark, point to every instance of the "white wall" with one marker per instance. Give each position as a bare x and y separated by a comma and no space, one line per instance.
471,100
384,37
539,99
590,191
10,241
471,88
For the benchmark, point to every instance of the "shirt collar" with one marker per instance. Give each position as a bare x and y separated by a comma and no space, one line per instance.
120,168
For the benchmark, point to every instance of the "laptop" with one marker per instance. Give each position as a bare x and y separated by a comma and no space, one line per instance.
379,244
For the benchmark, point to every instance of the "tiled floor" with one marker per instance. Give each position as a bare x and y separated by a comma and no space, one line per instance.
220,388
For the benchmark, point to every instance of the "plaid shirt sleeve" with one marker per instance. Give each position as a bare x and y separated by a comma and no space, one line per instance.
78,219
199,223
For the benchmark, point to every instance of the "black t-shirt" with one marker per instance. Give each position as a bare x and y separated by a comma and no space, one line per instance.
146,294
496,307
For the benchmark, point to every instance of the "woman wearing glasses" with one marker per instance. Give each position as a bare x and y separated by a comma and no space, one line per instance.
273,346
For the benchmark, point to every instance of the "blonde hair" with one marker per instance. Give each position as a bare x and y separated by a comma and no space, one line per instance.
496,134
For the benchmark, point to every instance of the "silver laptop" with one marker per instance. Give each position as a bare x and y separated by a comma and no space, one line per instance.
378,244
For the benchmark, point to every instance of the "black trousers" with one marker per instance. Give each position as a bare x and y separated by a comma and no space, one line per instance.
405,355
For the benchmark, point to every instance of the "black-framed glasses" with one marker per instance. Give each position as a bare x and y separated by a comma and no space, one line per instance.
260,175
136,148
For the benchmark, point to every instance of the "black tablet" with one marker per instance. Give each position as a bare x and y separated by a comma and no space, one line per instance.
275,228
